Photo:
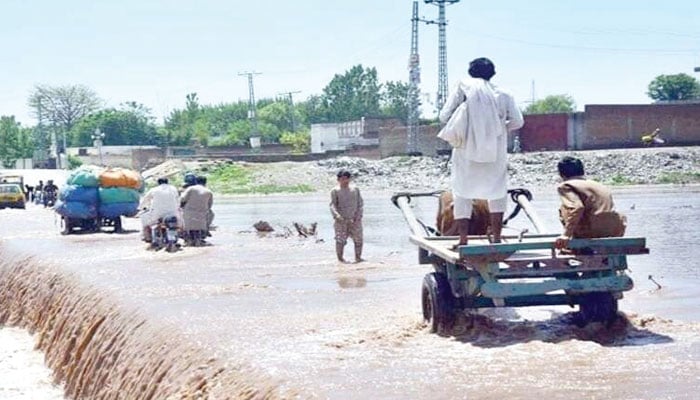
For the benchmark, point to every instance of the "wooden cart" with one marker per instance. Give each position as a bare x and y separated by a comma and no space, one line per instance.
523,270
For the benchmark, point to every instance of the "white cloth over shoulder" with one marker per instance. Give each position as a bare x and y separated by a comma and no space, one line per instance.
455,130
479,168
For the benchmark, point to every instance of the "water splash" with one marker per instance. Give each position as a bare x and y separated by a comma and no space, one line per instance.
101,350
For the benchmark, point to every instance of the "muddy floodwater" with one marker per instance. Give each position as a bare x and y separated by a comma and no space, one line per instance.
283,312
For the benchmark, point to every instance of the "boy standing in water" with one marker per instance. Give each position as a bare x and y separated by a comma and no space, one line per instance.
346,208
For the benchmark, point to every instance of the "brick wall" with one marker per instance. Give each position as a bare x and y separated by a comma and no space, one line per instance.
393,141
622,125
544,132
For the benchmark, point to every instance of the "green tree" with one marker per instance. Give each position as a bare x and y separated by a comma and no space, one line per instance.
559,103
395,100
281,114
61,107
25,143
219,118
238,133
353,95
9,141
313,110
131,124
180,124
674,87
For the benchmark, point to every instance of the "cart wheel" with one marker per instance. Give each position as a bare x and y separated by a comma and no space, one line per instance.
598,307
438,303
66,226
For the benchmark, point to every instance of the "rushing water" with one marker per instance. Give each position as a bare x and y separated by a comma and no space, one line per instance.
283,307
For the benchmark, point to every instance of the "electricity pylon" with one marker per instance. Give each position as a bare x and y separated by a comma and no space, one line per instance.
442,50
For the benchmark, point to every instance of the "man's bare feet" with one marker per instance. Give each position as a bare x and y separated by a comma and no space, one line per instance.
342,260
359,260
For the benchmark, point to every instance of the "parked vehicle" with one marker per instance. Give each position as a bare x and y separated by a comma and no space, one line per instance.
18,179
12,196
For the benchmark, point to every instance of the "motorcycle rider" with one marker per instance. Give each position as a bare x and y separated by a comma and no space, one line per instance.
161,201
190,180
49,195
196,204
39,192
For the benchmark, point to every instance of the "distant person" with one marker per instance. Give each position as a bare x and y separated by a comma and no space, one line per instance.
29,193
196,202
587,208
479,167
347,208
160,202
190,180
38,191
49,193
653,138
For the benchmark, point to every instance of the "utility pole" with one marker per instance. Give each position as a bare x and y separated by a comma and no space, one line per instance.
252,115
42,139
291,107
442,49
413,81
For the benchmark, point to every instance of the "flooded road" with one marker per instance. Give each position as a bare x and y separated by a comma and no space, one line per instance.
285,307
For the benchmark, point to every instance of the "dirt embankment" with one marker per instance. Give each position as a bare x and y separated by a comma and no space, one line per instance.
657,165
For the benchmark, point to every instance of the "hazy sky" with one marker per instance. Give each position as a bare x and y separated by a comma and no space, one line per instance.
157,51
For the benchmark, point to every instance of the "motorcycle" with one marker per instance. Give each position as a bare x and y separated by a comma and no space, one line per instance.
49,198
195,238
164,234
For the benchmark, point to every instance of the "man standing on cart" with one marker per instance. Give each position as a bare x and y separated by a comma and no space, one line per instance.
479,166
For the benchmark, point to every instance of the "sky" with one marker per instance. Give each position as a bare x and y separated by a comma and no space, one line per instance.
155,52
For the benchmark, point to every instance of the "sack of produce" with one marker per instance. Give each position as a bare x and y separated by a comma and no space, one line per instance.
118,195
76,209
86,176
113,210
81,194
121,177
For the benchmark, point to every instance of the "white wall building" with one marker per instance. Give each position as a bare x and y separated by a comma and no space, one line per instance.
341,136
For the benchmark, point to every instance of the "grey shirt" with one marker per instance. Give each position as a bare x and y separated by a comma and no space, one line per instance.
346,203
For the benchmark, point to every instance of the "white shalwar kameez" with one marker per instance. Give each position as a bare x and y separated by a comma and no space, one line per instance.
479,167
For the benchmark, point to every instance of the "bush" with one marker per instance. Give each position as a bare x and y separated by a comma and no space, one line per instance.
74,162
300,141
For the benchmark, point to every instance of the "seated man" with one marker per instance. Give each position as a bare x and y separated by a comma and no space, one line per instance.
160,202
196,202
479,221
587,209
